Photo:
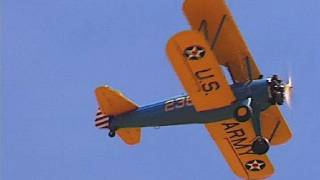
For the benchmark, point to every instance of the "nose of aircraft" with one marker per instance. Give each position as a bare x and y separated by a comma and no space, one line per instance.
277,90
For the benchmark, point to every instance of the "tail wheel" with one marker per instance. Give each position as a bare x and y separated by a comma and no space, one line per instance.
112,133
260,145
242,113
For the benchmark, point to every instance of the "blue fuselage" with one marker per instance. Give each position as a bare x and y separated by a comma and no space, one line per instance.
179,110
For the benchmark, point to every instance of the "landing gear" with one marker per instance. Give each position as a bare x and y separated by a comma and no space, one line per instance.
260,145
249,110
111,133
243,113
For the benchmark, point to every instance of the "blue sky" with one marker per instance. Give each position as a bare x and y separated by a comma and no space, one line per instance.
54,54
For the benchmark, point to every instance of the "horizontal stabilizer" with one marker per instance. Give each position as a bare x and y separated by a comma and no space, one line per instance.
112,102
130,136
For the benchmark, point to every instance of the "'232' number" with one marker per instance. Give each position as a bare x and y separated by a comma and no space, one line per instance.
177,103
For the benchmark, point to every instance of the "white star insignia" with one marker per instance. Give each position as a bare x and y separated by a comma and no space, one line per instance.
255,165
194,53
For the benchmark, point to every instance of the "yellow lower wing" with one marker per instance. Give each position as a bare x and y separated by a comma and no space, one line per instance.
113,103
234,140
199,71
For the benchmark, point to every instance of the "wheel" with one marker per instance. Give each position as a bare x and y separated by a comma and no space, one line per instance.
242,113
260,145
112,133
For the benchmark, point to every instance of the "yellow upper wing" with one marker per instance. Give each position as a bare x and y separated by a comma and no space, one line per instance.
234,140
199,71
213,18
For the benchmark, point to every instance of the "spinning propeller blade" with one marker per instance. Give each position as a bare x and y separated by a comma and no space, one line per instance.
288,91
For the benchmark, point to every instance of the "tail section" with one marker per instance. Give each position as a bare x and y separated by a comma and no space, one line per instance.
102,120
113,103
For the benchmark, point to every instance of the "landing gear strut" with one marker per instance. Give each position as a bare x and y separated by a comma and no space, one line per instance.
261,144
249,110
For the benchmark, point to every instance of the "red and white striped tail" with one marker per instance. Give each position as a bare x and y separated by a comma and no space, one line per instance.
102,121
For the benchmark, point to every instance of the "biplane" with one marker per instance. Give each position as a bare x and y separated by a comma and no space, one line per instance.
243,118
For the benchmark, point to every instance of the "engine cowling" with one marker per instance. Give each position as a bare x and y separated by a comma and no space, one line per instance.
277,90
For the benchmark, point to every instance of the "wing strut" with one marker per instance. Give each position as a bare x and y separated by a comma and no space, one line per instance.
216,37
230,72
274,131
249,69
204,28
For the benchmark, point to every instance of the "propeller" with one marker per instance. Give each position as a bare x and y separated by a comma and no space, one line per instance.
280,91
288,91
